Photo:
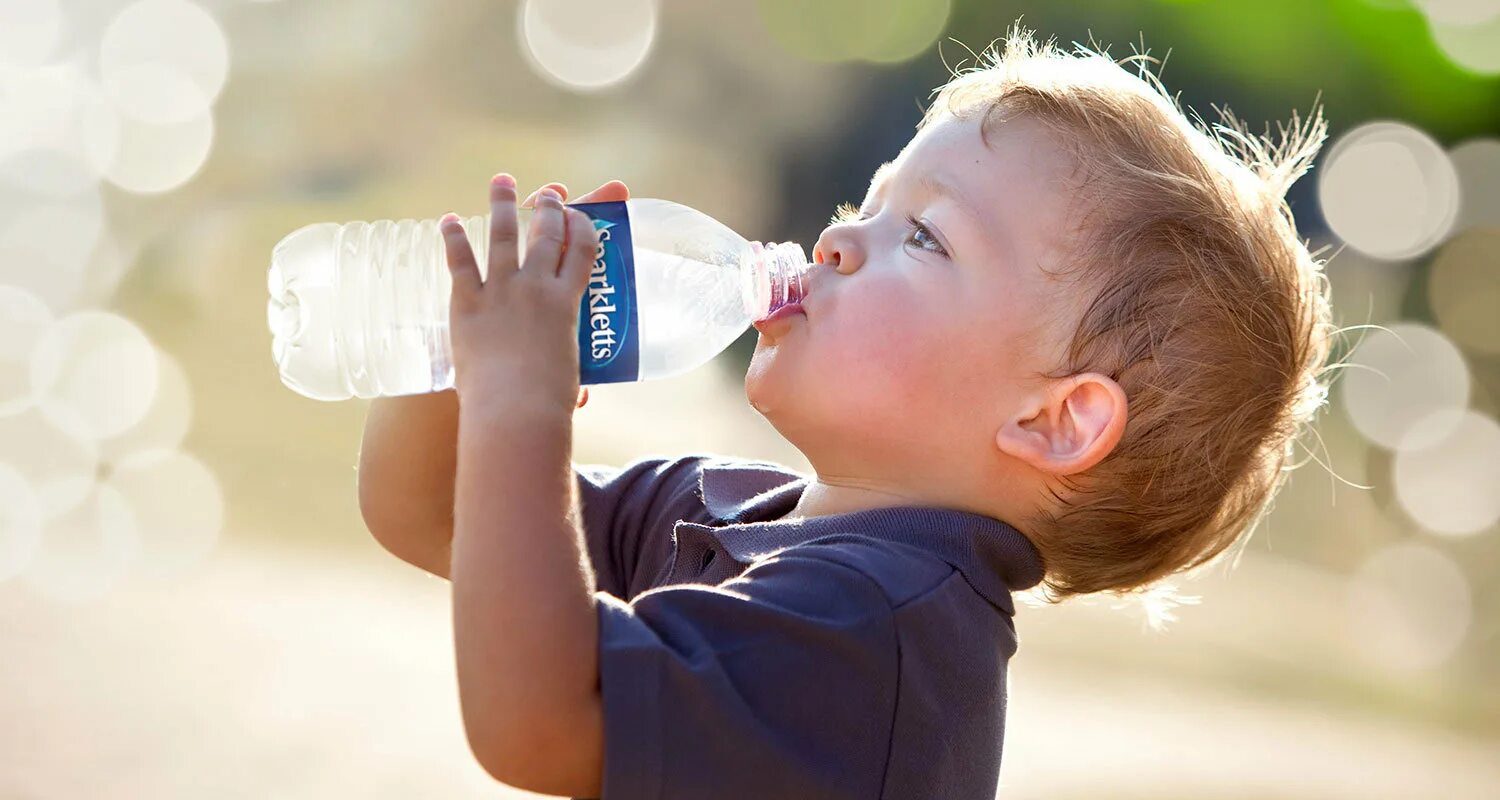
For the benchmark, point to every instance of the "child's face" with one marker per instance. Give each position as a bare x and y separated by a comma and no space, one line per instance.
917,345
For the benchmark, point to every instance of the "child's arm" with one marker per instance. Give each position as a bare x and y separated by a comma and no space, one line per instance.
524,627
408,457
406,472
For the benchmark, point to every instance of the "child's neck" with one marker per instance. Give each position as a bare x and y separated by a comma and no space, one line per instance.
826,496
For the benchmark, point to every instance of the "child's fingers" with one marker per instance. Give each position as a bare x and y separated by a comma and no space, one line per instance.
545,242
583,396
562,191
503,225
611,190
583,243
465,271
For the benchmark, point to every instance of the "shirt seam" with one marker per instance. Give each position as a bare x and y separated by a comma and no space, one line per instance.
939,584
952,570
890,742
896,706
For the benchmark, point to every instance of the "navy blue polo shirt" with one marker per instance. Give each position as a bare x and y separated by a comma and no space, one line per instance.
742,655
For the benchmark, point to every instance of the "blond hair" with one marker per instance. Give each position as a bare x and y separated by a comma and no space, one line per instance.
1203,304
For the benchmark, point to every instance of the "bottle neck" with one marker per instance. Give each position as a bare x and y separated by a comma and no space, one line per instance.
780,270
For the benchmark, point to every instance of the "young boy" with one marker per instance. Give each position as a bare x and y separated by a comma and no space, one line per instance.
1067,339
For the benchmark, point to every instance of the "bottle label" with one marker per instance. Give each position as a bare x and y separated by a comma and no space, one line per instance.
608,347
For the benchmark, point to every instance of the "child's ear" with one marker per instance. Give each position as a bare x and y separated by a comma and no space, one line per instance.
1072,425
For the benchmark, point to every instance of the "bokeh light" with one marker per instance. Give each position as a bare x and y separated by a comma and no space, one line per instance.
163,61
1409,607
1366,290
1478,164
107,266
51,459
91,411
1450,482
31,31
1398,376
177,506
23,319
46,243
85,549
149,159
20,522
1463,288
587,44
1389,190
1460,12
58,130
166,423
1475,48
880,31
94,373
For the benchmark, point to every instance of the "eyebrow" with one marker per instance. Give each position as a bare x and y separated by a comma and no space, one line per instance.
930,185
881,173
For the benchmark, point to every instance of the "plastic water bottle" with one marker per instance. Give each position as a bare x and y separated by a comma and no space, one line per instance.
361,309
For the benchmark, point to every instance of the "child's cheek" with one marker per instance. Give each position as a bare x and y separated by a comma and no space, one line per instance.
881,344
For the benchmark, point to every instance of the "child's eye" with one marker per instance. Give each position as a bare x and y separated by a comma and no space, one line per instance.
918,228
848,213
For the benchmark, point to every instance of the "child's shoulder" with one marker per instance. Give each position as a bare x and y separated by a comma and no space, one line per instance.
903,572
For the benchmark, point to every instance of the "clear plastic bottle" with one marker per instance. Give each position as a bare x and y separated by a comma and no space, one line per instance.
361,309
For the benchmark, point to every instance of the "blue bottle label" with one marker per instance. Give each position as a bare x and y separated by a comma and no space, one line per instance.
608,347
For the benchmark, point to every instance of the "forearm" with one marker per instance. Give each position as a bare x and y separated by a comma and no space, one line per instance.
406,475
525,631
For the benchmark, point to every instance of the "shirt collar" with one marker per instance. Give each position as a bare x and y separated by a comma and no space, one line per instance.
746,499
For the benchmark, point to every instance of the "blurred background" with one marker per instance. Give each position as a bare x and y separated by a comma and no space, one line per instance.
190,605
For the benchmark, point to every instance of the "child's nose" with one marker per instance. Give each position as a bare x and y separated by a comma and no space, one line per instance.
839,251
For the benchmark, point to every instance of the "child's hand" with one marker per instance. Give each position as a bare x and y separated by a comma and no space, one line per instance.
609,192
515,333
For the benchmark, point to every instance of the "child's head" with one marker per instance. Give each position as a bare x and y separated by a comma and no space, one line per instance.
1066,306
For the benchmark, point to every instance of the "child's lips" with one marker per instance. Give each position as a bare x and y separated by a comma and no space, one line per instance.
779,319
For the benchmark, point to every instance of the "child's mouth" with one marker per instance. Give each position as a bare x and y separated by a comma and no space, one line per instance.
778,317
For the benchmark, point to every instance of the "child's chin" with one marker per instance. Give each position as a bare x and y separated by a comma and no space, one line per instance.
768,382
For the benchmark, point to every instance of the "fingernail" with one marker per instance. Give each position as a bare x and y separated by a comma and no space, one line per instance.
551,194
505,180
